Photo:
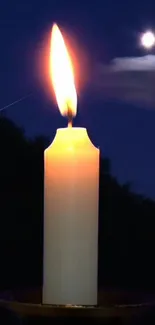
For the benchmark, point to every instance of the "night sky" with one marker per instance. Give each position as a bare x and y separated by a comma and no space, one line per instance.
97,31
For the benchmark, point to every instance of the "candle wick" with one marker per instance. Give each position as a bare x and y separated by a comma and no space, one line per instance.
70,118
70,123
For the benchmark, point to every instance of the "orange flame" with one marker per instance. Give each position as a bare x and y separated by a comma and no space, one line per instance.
61,72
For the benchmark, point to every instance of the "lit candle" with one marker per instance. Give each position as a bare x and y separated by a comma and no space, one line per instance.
71,187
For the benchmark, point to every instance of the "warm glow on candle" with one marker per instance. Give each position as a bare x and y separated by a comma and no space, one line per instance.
71,186
62,75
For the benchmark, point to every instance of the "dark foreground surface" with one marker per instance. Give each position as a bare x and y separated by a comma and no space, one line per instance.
24,313
114,308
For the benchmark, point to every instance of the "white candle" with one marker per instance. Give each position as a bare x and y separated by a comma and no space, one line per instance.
71,186
71,219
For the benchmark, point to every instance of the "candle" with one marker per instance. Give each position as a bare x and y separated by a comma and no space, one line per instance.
71,186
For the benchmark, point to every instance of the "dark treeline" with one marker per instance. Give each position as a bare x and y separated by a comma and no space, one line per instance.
126,220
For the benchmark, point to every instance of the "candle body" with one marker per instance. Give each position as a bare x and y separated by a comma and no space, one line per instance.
71,197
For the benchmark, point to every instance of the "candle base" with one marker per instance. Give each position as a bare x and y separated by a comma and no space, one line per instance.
31,312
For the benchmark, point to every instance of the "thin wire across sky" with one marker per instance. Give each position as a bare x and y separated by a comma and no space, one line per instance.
15,102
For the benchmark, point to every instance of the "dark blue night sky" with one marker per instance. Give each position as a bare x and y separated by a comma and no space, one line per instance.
100,31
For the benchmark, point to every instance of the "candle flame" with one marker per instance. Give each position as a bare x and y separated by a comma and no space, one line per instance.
62,75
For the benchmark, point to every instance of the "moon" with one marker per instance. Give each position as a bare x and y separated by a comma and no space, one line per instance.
148,40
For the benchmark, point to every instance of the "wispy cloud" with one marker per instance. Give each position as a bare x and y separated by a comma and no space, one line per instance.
145,63
129,79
